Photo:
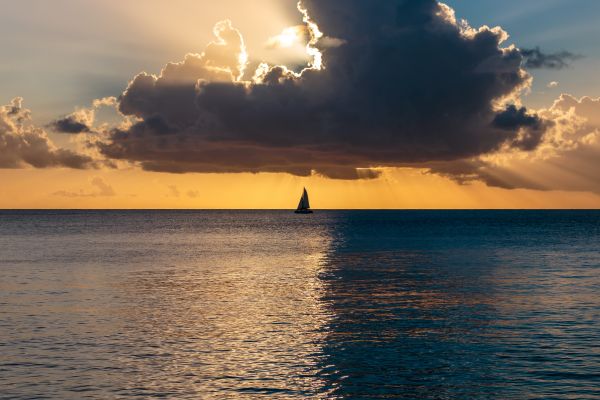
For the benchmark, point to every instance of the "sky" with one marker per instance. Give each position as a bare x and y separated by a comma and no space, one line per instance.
235,104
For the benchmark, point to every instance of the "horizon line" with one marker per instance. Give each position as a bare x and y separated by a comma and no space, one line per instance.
291,210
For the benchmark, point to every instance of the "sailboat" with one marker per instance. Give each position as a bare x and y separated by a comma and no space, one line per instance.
304,205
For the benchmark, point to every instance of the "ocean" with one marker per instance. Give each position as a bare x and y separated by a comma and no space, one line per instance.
269,304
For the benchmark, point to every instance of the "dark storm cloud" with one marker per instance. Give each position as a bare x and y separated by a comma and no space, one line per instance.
532,127
82,120
69,124
536,58
402,82
22,144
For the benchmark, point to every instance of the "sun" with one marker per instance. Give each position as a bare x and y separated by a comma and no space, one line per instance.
289,37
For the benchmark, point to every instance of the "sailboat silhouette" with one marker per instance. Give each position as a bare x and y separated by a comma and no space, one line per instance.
304,205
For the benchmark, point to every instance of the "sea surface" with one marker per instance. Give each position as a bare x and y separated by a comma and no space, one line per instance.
273,305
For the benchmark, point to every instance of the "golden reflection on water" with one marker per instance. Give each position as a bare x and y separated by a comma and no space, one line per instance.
227,323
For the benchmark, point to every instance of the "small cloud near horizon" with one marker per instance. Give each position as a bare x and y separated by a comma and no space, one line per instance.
102,189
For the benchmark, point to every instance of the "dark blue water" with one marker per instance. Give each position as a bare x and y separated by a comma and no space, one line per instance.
269,304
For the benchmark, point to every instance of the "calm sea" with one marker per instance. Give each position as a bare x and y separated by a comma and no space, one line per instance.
269,304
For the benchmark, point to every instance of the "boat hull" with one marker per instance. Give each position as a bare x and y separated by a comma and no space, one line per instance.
303,212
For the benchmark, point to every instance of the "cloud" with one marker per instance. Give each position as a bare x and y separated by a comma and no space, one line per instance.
532,127
22,144
78,122
82,120
566,159
174,191
553,84
536,58
391,82
102,189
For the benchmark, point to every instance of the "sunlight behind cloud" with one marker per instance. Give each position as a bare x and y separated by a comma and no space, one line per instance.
289,37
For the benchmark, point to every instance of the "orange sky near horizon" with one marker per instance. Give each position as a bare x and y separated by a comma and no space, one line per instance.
135,189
